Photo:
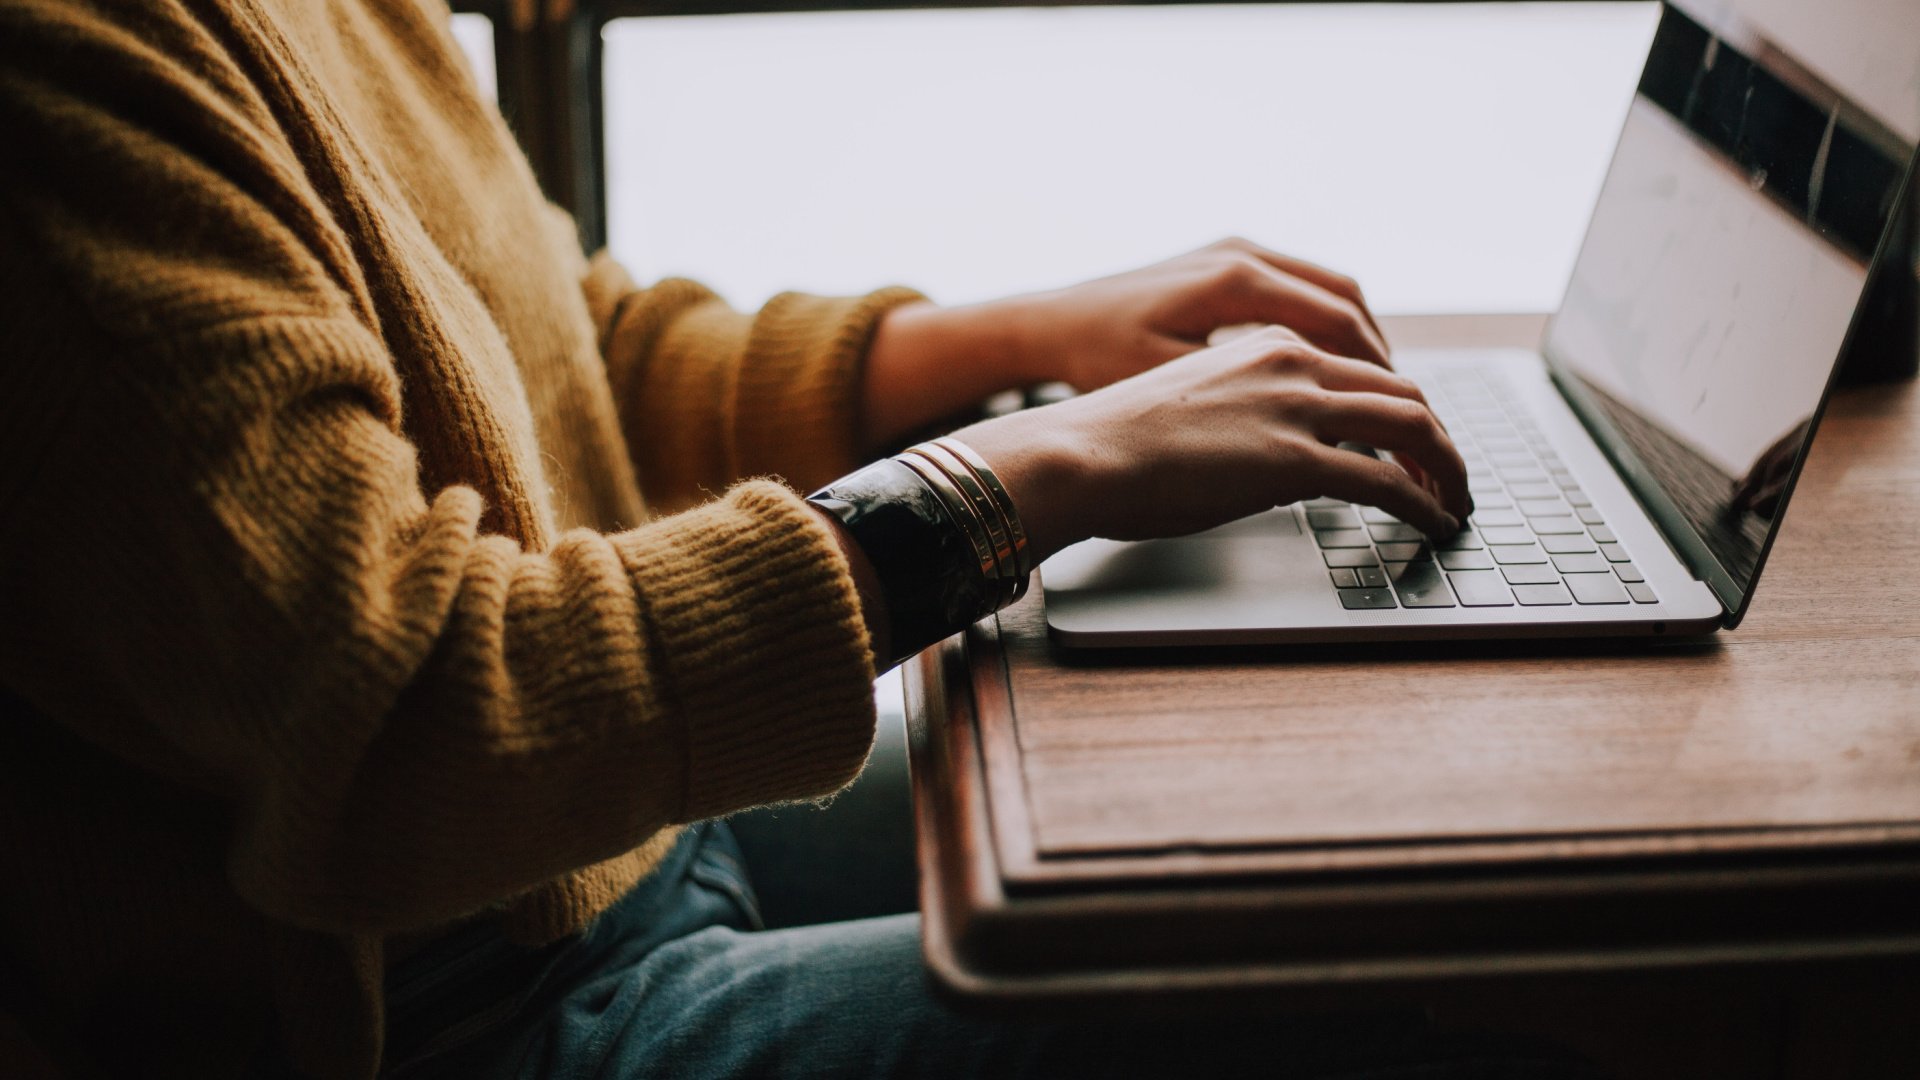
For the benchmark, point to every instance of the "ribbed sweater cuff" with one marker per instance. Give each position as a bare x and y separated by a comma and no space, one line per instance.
798,403
760,644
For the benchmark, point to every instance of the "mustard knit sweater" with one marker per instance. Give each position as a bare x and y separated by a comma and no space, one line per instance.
327,584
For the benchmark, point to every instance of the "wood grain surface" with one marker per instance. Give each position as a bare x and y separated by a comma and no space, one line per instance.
1681,860
1800,728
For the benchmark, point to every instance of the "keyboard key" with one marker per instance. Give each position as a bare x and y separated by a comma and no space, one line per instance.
1492,501
1342,538
1590,515
1566,545
1557,526
1510,556
1464,540
1580,564
1600,533
1488,484
1543,508
1405,552
1372,577
1339,557
1507,535
1395,532
1642,593
1511,459
1421,585
1481,588
1596,589
1497,517
1576,497
1466,560
1360,599
1373,515
1530,575
1626,571
1344,578
1614,552
1343,518
1325,504
1523,476
1554,595
1562,477
1533,491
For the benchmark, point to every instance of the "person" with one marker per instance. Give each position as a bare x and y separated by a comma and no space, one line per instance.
365,716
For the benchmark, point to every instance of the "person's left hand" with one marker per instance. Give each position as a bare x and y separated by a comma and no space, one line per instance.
1103,331
927,361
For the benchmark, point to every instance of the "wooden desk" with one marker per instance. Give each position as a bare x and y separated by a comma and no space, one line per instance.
1319,823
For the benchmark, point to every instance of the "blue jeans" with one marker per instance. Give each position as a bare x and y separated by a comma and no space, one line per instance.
679,979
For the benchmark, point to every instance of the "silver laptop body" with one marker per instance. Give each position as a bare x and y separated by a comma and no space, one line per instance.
1631,474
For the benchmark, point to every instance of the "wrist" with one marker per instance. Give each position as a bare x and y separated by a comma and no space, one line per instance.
990,341
1008,332
1045,471
929,362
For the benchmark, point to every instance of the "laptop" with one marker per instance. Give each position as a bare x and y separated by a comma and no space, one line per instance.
1630,475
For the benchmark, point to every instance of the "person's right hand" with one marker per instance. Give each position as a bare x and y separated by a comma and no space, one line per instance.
1220,434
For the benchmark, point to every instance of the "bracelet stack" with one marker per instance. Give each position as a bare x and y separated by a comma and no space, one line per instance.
980,505
942,535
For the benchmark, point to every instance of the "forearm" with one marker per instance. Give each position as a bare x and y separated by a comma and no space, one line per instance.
377,683
708,396
929,362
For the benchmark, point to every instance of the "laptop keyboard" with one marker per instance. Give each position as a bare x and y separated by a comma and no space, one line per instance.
1534,540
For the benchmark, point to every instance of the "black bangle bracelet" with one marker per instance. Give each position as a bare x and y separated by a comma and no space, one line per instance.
928,570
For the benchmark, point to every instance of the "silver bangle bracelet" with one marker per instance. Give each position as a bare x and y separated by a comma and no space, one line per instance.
984,510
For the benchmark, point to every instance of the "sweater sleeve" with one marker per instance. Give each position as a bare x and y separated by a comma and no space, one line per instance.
708,395
407,717
226,567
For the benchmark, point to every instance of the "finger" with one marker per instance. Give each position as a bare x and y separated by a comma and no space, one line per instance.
1408,429
1252,291
1331,280
1358,376
1232,332
1355,376
1413,467
1370,481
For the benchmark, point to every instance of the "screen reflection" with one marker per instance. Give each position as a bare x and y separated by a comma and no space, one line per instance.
1761,160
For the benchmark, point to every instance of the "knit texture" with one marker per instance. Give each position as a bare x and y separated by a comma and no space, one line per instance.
331,612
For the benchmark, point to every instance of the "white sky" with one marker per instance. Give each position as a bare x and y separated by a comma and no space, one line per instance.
1447,155
475,35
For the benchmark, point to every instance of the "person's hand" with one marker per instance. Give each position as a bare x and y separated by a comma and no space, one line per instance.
1220,434
927,362
1098,333
1760,490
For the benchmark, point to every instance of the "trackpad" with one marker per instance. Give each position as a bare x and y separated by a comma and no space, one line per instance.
1248,550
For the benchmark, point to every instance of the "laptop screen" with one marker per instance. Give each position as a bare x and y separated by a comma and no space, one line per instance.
1762,158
